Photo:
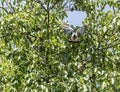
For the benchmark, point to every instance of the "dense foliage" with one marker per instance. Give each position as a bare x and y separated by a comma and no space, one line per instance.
35,54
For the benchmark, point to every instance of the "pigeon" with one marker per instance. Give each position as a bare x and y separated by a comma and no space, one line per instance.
74,34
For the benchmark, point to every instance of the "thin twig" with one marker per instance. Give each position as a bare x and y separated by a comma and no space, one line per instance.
83,67
4,9
38,1
110,46
27,37
9,5
114,10
54,4
65,3
107,29
102,8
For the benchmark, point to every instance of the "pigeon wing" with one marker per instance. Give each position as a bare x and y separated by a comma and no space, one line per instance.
68,30
81,30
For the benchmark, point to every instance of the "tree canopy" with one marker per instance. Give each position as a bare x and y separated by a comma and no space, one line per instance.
36,55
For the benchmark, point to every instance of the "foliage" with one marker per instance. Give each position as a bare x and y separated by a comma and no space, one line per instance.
35,55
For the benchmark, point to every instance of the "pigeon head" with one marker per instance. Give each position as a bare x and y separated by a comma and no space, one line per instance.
74,36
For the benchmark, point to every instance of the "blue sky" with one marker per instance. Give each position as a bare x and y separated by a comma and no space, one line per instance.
75,18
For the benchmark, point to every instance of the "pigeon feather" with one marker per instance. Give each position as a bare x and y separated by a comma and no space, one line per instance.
68,30
81,30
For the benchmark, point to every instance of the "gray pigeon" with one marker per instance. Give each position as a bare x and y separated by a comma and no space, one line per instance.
74,34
